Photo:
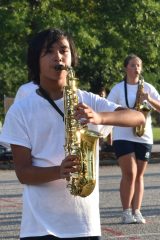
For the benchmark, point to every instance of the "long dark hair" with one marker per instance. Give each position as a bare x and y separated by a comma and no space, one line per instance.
45,39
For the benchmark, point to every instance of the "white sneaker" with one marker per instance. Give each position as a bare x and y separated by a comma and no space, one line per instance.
138,216
127,217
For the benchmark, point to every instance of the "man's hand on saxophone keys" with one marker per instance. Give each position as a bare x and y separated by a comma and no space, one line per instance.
85,114
69,165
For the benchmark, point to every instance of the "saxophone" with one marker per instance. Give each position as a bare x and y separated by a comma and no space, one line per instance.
79,141
142,107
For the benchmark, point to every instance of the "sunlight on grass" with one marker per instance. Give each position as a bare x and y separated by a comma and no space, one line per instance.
156,134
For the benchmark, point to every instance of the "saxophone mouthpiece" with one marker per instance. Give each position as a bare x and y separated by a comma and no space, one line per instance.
59,67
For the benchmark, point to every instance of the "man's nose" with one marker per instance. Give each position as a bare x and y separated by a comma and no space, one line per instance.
58,56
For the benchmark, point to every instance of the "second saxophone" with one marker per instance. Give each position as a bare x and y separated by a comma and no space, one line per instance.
143,107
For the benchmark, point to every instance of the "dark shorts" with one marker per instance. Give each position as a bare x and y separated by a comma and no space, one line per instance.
49,237
142,150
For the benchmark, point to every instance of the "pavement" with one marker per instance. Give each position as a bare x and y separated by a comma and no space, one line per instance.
111,210
110,206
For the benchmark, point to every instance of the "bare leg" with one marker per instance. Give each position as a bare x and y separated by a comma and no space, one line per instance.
139,185
128,167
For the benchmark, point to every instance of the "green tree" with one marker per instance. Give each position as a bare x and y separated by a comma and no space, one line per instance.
105,32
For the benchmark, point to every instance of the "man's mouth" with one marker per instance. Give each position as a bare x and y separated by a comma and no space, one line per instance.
59,67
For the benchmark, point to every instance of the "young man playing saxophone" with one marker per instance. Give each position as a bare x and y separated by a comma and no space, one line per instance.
36,133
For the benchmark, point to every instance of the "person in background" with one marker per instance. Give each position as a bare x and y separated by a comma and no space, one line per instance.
36,131
133,152
24,90
102,92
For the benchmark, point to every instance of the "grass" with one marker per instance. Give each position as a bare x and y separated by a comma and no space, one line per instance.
156,134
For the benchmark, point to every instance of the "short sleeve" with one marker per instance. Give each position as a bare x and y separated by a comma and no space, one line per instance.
13,130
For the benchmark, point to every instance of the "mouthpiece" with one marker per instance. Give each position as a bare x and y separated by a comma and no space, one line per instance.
60,67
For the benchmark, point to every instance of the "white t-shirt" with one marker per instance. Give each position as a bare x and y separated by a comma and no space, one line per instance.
117,95
49,208
24,90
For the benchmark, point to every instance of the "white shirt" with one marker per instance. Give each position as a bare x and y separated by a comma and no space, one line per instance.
49,208
117,95
24,90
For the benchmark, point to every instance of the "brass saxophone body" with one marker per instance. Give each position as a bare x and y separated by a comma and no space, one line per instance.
142,107
79,141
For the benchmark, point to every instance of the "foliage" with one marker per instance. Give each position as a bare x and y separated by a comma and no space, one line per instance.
105,32
156,135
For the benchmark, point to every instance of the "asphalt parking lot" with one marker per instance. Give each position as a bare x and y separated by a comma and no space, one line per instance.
110,206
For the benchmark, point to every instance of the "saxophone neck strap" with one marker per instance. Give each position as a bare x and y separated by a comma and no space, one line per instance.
126,94
44,94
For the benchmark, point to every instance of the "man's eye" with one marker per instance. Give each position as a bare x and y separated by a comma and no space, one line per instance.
65,50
